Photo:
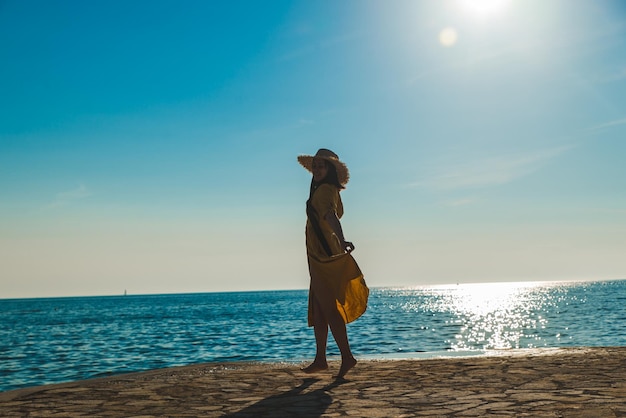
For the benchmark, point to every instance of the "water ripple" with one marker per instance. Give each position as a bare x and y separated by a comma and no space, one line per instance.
54,340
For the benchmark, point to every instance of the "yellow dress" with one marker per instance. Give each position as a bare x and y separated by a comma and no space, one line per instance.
337,281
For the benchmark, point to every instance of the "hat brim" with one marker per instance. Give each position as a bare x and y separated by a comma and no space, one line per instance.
343,175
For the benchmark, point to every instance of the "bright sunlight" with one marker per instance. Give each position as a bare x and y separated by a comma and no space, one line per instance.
484,8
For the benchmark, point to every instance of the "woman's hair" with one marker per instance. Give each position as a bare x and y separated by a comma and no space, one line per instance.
331,176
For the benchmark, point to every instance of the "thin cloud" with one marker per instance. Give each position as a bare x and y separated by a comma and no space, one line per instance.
316,47
611,124
477,59
67,197
615,76
489,172
459,202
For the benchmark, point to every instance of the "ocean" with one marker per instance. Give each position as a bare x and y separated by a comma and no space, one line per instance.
64,339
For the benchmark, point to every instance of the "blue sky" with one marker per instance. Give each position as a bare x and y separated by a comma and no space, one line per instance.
151,146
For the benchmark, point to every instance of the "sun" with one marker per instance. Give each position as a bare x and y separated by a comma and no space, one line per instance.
484,8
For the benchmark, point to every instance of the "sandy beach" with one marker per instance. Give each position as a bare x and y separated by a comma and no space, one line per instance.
576,382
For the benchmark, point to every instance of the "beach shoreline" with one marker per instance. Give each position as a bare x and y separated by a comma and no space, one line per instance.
564,382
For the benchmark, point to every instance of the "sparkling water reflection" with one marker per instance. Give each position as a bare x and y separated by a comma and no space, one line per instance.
497,316
53,340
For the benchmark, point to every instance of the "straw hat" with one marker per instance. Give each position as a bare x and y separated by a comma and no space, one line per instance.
343,175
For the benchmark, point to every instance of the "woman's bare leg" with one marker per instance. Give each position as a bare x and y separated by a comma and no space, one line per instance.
340,334
320,329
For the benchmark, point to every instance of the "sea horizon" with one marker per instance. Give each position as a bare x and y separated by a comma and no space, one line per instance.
412,286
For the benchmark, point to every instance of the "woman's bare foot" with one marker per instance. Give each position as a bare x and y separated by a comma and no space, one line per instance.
346,365
315,367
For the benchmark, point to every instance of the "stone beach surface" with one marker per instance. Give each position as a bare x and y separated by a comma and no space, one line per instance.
572,382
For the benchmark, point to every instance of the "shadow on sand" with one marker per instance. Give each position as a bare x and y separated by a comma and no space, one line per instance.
293,403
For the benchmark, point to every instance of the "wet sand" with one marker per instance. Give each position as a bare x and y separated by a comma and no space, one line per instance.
577,382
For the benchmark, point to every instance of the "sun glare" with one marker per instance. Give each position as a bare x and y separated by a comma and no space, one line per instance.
483,8
448,37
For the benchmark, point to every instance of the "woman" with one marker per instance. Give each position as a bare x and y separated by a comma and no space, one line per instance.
337,294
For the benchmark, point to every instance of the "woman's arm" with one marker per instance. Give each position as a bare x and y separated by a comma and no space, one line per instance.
335,225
